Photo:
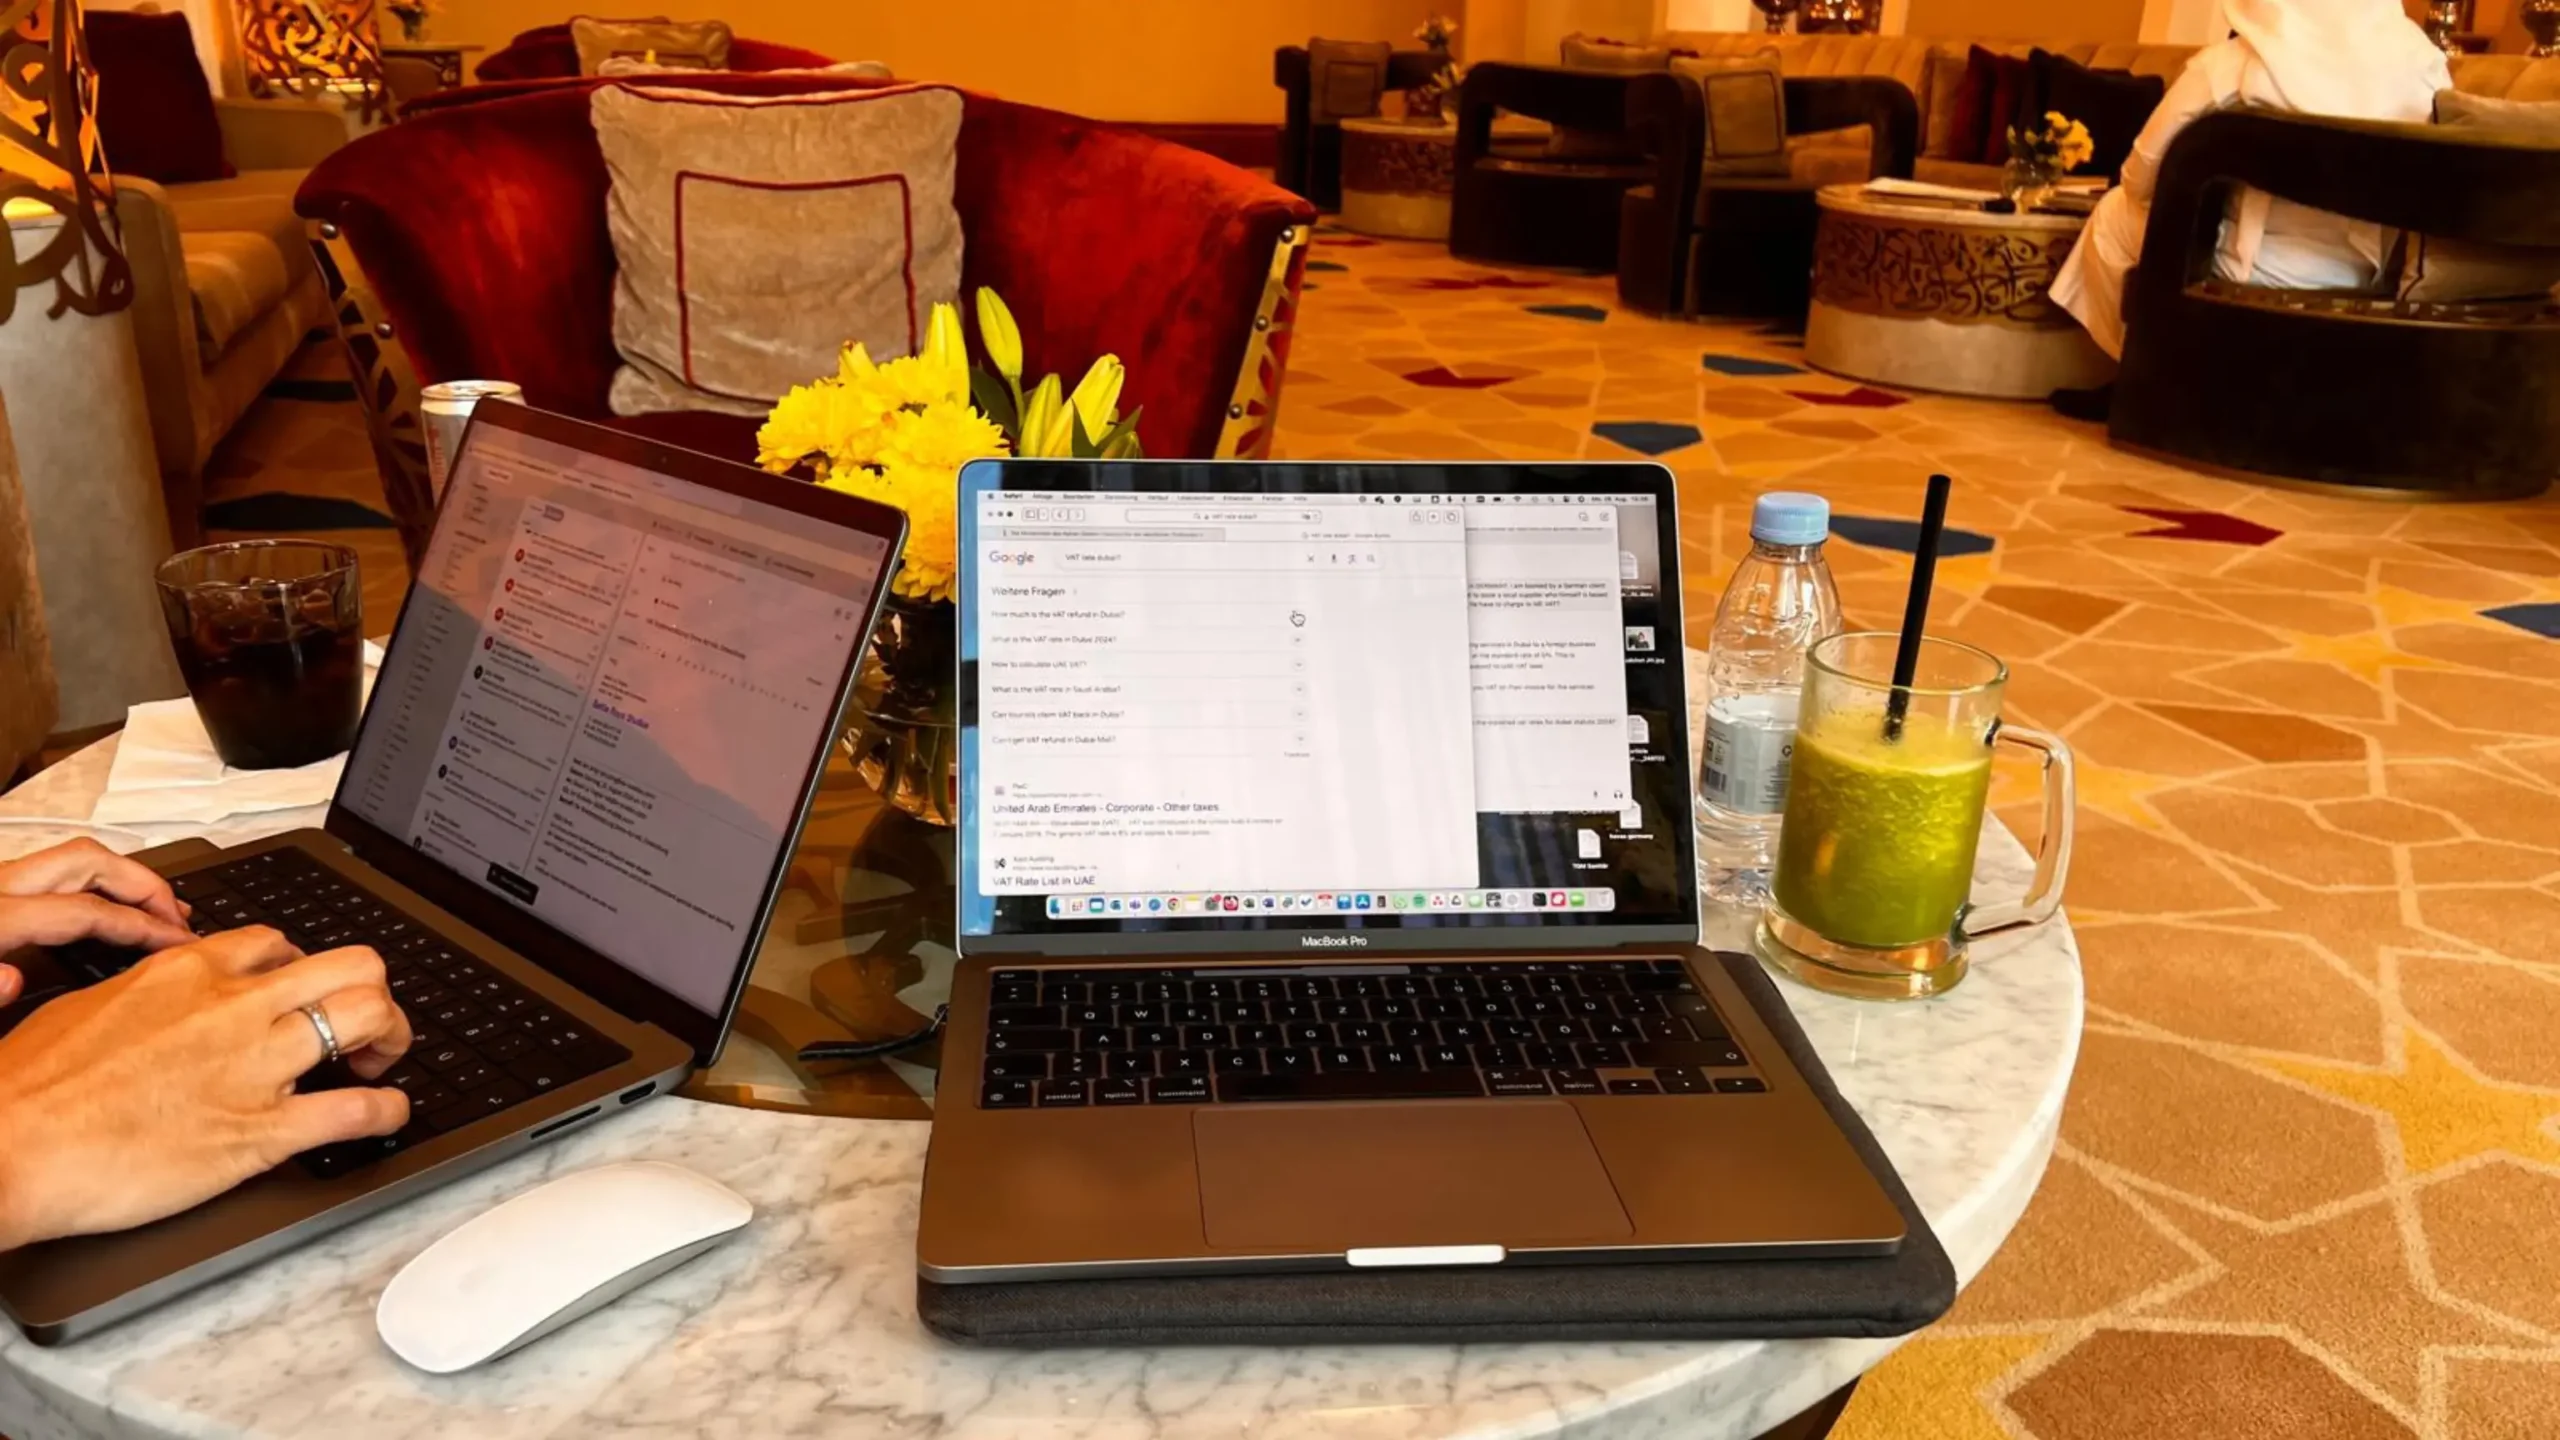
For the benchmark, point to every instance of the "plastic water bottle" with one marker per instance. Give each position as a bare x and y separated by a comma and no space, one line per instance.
1781,602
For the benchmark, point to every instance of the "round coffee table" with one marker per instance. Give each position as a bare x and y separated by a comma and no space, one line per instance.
1930,297
806,1324
1396,177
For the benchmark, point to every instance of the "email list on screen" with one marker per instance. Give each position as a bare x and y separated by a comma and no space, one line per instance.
1287,704
602,673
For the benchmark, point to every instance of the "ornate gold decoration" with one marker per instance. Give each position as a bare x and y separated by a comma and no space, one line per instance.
1375,161
49,162
1960,274
386,386
1253,408
305,47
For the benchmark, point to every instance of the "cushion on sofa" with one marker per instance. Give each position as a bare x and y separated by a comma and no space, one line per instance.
724,297
2114,104
1746,101
155,107
2436,270
1346,79
676,44
235,278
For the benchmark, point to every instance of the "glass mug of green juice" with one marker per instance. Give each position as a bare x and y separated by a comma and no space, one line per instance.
1884,810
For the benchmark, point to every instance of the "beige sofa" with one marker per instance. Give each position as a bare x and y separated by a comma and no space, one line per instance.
1932,68
225,288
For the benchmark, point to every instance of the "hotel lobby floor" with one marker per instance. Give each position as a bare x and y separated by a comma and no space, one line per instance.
2306,1179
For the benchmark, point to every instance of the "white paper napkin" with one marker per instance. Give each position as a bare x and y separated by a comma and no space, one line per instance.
166,770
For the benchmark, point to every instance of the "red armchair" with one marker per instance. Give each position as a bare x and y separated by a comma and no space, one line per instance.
546,53
471,243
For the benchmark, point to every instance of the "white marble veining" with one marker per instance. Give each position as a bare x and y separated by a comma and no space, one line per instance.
806,1325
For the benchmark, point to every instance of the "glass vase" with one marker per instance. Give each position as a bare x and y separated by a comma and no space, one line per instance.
2542,22
903,737
2027,183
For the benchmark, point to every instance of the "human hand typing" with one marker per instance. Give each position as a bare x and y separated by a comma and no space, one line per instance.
84,891
152,1092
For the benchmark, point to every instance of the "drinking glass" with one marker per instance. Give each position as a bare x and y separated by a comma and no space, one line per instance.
269,635
1884,811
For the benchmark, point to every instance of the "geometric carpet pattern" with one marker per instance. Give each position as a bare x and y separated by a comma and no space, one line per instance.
2308,1185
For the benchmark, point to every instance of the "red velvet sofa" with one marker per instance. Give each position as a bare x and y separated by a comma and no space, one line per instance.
545,52
470,242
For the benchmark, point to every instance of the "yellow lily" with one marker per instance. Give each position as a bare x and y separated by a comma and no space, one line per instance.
1043,418
1002,337
945,355
1097,396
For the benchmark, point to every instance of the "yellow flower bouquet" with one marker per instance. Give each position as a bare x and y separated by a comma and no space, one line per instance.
898,431
2040,157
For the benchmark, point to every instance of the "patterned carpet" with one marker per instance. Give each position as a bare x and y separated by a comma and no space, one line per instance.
2310,1173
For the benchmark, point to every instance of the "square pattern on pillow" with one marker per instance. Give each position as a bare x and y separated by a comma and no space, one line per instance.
1746,97
668,44
755,237
1345,79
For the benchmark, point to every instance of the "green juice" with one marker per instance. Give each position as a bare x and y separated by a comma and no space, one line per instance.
1877,846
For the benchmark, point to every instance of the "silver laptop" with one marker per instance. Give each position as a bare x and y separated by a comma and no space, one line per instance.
1326,889
575,794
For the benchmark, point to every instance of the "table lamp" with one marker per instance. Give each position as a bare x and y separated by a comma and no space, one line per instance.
48,167
306,47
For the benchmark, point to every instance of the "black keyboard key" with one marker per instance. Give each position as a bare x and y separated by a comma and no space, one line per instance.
503,1048
1740,1085
1682,1082
1155,1037
1084,1017
1574,1082
1102,1038
1016,1041
1056,1093
1548,1057
1446,1057
1005,1095
1602,1055
441,1059
1661,984
1310,1034
1342,1058
1291,1061
1025,1017
1015,992
1635,1087
1191,1013
488,1100
541,1072
1515,1082
1349,1085
1260,1037
1084,1065
471,1075
331,1161
1207,1037
1181,1090
1128,1063
1684,1054
1396,1057
1236,1062
1497,1057
1142,1014
479,1032
1124,1090
1017,1067
1666,1027
429,1098
1338,1011
1183,1062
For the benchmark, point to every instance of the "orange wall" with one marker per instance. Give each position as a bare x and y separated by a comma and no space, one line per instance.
1163,60
2074,20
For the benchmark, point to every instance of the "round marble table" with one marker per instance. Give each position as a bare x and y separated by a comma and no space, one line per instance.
1932,297
806,1324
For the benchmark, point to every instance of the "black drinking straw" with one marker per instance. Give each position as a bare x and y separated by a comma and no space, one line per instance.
1915,609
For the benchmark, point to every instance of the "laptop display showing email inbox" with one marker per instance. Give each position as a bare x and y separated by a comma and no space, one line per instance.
1319,706
602,667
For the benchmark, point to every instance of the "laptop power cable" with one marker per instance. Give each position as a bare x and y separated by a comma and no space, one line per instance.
874,1049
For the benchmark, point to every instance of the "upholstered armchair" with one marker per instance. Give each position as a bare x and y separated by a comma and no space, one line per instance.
1508,207
1310,159
471,242
2450,398
1740,245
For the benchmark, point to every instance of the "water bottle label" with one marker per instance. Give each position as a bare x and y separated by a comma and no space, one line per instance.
1747,765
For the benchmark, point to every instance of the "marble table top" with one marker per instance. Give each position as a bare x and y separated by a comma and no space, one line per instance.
806,1324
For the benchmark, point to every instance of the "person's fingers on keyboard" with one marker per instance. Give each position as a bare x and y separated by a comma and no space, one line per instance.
371,1032
325,1117
45,919
86,865
252,950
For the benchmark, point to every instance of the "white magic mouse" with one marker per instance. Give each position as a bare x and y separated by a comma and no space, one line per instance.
514,1274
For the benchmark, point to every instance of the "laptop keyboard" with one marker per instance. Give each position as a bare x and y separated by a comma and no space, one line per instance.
1074,1037
483,1043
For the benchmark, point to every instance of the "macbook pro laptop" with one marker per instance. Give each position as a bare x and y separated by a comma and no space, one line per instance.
1326,893
589,753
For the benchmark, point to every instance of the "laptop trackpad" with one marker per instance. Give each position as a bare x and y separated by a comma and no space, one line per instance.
1327,1178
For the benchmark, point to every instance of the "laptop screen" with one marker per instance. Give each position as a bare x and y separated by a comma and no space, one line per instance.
607,696
1381,700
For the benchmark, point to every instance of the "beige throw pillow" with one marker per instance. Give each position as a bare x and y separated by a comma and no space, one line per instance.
1746,99
2444,271
1345,79
668,44
757,235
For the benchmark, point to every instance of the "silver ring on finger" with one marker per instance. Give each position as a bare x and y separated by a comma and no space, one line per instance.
328,1033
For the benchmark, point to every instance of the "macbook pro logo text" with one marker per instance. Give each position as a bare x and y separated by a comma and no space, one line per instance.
1333,942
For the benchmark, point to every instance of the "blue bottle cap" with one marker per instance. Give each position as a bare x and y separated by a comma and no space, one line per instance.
1791,517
